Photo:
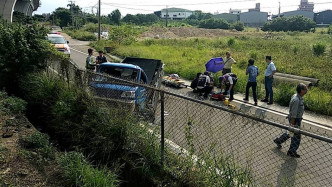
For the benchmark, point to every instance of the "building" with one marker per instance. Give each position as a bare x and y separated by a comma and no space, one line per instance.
234,11
254,18
175,13
306,6
323,18
257,8
231,18
307,14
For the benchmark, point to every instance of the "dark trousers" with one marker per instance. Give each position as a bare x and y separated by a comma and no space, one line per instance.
231,92
268,89
295,140
224,71
254,86
206,90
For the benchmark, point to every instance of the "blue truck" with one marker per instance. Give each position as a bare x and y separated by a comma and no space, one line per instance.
138,70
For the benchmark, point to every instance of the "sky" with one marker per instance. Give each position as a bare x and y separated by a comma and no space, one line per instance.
207,6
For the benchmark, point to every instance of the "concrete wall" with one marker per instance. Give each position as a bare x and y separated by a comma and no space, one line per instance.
228,17
254,18
307,14
7,9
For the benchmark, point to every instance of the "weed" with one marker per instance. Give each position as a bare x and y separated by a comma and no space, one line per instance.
231,42
319,48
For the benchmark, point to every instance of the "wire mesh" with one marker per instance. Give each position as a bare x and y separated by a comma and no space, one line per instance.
209,130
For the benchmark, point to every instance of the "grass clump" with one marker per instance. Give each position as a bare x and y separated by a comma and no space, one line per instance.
79,172
12,105
319,48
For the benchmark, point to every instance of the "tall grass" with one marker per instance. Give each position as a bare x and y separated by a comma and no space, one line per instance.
79,172
292,53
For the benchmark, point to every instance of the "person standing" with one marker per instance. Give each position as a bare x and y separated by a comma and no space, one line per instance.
89,63
252,81
296,110
101,58
228,82
228,63
268,81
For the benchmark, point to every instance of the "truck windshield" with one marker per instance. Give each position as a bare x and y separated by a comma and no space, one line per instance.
124,73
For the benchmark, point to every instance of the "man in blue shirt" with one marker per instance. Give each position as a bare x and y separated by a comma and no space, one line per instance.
252,81
268,81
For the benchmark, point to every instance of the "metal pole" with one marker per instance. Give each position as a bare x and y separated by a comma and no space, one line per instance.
99,20
162,126
166,16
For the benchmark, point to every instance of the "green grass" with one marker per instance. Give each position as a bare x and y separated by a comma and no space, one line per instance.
78,172
292,52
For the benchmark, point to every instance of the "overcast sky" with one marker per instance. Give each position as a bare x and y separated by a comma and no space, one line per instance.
211,6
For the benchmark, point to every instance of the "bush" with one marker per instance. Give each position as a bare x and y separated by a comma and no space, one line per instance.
12,105
319,48
330,29
82,35
25,51
231,42
239,26
39,142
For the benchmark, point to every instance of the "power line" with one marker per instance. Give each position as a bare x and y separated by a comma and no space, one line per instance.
185,4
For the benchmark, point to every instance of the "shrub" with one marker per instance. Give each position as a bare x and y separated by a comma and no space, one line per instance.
39,142
214,23
231,42
319,48
330,29
239,26
12,105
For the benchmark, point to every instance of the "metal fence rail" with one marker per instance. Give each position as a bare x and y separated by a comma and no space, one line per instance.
207,131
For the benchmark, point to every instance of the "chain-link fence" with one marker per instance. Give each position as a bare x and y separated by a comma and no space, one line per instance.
219,141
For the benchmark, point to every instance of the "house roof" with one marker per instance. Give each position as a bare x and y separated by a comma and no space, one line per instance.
173,9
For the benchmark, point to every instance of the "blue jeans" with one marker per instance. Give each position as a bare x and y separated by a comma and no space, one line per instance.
268,89
295,140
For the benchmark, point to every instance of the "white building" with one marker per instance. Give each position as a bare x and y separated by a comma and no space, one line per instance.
176,13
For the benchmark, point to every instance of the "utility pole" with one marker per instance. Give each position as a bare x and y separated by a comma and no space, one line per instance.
166,15
71,11
279,9
99,21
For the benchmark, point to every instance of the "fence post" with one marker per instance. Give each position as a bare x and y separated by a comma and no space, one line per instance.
162,126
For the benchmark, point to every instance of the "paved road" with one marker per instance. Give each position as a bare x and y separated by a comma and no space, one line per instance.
250,142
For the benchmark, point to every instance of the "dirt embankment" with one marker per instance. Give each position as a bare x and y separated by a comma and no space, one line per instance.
189,32
17,165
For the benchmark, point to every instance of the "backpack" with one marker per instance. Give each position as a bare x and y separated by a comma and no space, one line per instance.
201,81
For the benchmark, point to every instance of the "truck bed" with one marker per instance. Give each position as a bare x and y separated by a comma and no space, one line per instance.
152,68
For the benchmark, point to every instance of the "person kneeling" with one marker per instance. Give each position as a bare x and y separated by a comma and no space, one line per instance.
203,84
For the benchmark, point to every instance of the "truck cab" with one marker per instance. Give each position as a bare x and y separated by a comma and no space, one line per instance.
129,70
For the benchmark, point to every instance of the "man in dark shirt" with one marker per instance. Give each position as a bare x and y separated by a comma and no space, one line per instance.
101,58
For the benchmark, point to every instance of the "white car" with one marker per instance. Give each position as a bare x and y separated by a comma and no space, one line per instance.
59,42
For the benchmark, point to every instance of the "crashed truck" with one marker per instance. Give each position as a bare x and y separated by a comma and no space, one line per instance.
111,83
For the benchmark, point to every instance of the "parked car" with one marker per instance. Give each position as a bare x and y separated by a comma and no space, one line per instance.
59,42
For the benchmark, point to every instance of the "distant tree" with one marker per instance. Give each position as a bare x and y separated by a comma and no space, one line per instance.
294,23
115,16
62,17
129,18
141,19
214,23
